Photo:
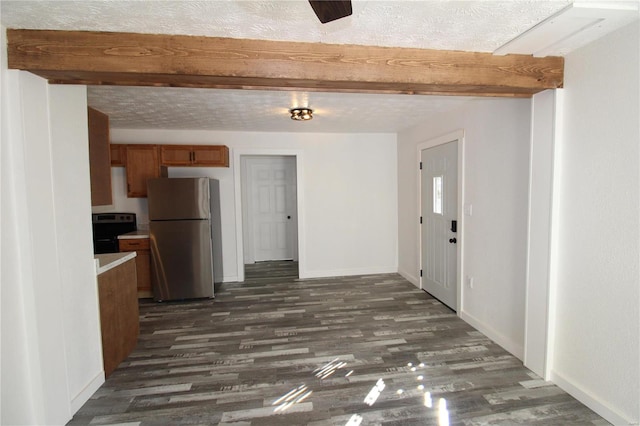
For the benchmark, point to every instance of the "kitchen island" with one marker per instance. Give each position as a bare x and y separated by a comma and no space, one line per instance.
118,297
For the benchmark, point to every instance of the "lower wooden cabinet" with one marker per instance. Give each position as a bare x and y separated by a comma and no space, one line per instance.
119,317
143,263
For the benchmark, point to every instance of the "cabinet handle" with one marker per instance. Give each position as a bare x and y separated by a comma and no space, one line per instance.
194,156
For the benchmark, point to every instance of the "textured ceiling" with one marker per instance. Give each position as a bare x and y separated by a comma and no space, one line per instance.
261,110
478,25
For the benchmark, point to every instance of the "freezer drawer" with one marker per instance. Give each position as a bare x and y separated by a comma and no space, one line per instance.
181,261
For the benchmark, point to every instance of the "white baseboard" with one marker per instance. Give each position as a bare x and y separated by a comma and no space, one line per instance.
510,346
591,401
347,272
78,401
413,279
230,279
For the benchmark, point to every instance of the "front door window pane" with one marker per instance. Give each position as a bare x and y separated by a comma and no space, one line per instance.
437,194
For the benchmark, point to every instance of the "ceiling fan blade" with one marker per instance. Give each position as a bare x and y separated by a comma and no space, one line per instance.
330,10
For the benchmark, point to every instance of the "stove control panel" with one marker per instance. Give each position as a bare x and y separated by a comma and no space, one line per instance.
114,218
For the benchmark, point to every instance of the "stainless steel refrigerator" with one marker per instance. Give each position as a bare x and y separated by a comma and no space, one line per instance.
185,237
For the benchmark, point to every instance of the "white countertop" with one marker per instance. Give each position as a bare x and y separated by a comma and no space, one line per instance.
107,261
140,233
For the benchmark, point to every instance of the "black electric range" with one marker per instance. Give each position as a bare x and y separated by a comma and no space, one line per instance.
107,227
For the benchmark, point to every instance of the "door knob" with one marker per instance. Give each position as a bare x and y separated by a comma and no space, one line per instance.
453,240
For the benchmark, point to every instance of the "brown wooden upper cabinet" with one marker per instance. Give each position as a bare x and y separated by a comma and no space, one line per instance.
118,155
194,155
142,164
99,163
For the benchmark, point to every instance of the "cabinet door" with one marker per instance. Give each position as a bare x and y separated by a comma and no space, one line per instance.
119,315
214,155
143,262
99,163
143,269
142,164
175,155
118,155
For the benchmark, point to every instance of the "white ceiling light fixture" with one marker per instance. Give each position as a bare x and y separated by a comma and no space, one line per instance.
301,114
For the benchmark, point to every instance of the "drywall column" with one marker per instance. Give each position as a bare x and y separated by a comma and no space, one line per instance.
597,325
21,387
37,282
540,229
72,203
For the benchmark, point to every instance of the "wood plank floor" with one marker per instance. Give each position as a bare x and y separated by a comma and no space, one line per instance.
274,350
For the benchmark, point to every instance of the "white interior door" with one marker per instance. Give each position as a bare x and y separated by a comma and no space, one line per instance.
271,208
439,207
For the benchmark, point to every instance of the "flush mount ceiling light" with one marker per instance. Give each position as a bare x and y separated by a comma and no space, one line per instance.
301,114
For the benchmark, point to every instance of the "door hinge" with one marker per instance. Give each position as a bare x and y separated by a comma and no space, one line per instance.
420,220
421,165
420,272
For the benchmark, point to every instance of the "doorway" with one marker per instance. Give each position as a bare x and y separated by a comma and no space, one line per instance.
440,224
269,216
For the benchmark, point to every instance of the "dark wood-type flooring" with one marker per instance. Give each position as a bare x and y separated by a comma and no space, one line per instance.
275,350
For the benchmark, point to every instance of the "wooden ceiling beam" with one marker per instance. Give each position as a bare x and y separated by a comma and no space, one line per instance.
82,57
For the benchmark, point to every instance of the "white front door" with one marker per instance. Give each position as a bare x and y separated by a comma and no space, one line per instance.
439,207
271,208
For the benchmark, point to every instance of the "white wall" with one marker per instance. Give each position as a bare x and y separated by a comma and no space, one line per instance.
72,203
17,381
350,195
496,186
545,127
51,356
597,321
